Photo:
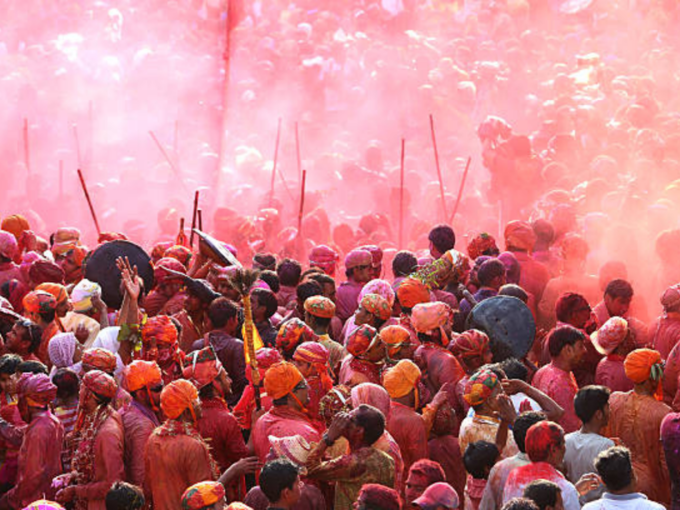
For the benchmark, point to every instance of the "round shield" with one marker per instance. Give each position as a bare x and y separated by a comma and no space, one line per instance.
101,267
509,324
214,249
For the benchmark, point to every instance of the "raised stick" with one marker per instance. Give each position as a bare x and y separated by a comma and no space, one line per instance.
401,195
460,190
439,170
168,159
200,220
194,219
89,202
276,161
302,200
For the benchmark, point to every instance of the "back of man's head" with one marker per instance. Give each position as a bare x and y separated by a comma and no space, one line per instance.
561,337
589,400
277,476
615,468
372,421
124,496
544,493
522,424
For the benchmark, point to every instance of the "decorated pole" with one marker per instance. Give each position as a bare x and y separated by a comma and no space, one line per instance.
460,190
401,194
181,236
89,202
439,170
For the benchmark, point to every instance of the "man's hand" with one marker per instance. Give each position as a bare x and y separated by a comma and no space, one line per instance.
587,483
82,333
338,426
129,277
513,386
66,495
506,410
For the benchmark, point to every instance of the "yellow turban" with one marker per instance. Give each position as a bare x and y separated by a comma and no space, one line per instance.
400,380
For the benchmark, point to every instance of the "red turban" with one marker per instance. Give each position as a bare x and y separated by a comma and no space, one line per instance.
316,355
44,271
8,245
361,339
470,344
37,389
100,358
519,235
38,302
292,334
480,244
202,367
160,328
161,276
100,383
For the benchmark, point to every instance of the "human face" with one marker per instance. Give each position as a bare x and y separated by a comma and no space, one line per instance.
304,367
580,317
16,339
376,352
225,288
415,486
63,308
155,392
224,382
376,271
292,496
578,350
617,307
301,391
363,316
192,303
362,274
8,383
559,503
329,291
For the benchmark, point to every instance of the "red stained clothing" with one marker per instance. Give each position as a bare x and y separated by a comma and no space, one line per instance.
190,331
441,367
355,371
520,477
665,333
221,431
610,373
243,411
311,498
10,271
534,276
671,375
409,430
586,285
282,421
108,463
347,297
446,451
39,460
562,388
138,424
316,393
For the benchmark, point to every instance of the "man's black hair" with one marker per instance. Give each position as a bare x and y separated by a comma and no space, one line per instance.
372,421
479,458
490,269
515,369
589,400
271,279
404,263
520,504
308,289
443,238
276,476
221,311
615,468
563,336
268,299
124,496
543,493
289,272
9,363
265,260
67,383
34,333
32,367
619,289
322,279
522,424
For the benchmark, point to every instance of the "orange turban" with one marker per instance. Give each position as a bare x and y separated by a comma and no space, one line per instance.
281,379
15,224
643,365
38,302
56,289
202,495
177,397
161,328
140,373
100,358
395,335
316,355
377,305
320,306
401,379
519,235
412,292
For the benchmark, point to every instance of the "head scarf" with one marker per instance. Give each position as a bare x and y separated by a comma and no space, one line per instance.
43,504
37,389
140,374
394,337
338,400
480,244
320,306
202,367
377,305
361,340
401,379
101,359
56,289
281,379
324,257
671,297
292,334
642,365
177,397
201,495
426,317
316,355
266,357
8,245
412,292
38,302
43,271
63,237
83,293
376,254
100,383
180,253
380,287
61,349
480,387
471,343
358,258
161,329
15,224
294,448
373,395
161,276
610,335
519,235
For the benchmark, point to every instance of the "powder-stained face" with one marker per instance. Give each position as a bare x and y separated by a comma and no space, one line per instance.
543,438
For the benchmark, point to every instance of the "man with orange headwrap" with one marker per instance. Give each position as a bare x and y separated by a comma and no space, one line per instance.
635,418
41,307
216,425
311,359
144,381
243,410
366,354
69,254
160,344
288,389
319,313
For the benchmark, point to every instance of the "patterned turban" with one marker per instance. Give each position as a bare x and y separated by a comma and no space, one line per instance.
100,383
292,334
338,400
294,448
44,504
43,271
377,305
202,367
358,258
201,495
161,328
15,224
480,387
471,343
281,379
56,289
161,276
316,355
140,374
177,397
670,299
481,244
83,293
37,389
266,357
320,306
380,287
8,245
101,359
159,249
361,339
610,335
412,292
324,257
519,235
401,379
426,317
38,302
180,253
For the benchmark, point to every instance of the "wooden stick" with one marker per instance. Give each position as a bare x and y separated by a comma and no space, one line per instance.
276,161
460,190
90,146
297,150
77,138
61,178
401,195
181,237
89,202
168,159
27,148
302,200
200,220
439,170
194,219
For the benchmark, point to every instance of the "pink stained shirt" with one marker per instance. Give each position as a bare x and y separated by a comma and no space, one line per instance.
281,421
138,424
562,388
520,477
610,373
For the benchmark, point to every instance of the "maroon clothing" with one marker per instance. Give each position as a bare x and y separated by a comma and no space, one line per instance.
229,350
347,297
407,427
562,388
446,451
286,295
533,278
138,424
610,373
665,333
440,367
221,431
671,374
39,460
311,498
